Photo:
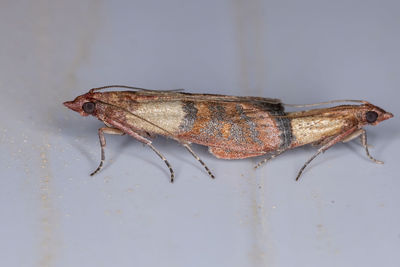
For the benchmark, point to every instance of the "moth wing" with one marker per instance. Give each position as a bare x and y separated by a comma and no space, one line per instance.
223,153
227,98
150,95
175,94
240,112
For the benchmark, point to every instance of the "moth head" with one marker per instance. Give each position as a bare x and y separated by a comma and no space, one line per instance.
373,115
83,104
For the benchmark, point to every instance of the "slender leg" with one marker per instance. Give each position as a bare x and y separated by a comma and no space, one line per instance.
363,138
144,140
198,158
164,159
268,158
102,139
325,147
353,136
308,162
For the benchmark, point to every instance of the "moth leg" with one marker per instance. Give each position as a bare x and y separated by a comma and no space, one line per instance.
363,137
102,131
353,136
268,158
325,147
199,160
163,158
148,142
144,140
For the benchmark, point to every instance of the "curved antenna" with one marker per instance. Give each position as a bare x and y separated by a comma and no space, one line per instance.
326,103
131,87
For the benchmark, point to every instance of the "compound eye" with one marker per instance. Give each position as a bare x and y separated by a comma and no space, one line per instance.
88,107
371,116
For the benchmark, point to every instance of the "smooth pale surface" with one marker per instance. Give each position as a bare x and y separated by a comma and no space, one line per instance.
344,211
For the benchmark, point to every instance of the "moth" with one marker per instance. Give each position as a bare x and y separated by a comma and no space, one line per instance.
232,127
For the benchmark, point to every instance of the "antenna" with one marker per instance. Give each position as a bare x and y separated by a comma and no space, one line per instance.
132,88
326,103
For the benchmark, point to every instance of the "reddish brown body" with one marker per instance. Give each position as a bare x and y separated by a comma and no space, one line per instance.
231,127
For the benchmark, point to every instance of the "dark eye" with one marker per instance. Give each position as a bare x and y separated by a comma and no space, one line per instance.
371,116
88,107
